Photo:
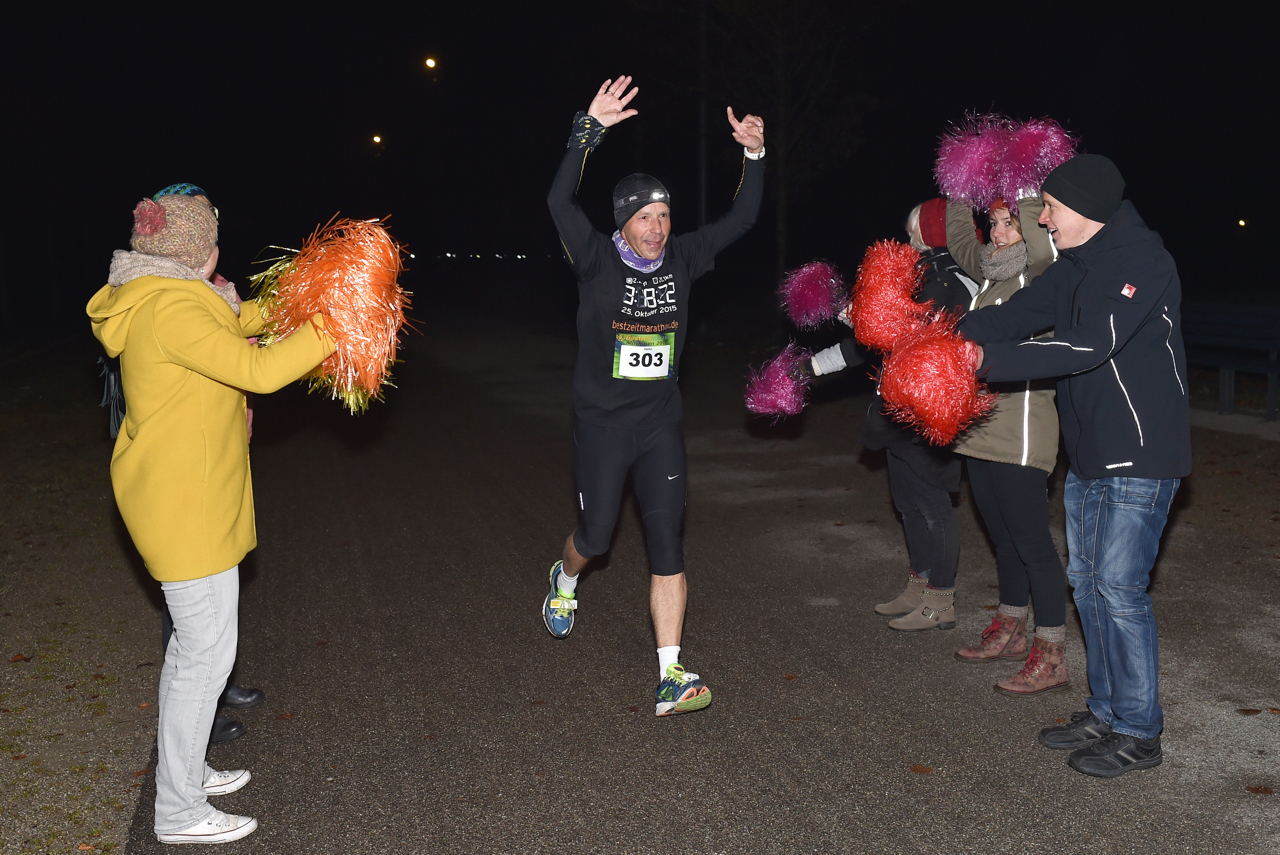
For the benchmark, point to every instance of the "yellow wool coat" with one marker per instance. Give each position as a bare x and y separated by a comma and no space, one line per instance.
180,469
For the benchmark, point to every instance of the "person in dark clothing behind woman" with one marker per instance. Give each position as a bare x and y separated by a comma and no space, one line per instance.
1114,300
633,308
922,477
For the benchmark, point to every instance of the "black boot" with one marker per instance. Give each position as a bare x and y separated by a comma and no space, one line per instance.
225,730
241,699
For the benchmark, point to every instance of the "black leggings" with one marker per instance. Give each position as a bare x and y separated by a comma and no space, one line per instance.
1014,503
933,536
602,458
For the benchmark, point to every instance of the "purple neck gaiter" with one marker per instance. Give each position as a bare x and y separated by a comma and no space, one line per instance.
636,262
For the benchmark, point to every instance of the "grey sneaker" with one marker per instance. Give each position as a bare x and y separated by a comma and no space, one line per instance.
1116,753
1085,729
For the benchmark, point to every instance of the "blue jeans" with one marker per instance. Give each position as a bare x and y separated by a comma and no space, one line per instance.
1113,534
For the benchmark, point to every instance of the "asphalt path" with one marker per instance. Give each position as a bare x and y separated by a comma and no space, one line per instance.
416,702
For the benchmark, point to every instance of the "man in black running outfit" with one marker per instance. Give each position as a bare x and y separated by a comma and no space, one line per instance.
633,292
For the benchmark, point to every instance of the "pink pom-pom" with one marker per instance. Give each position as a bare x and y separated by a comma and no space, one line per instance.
812,294
1034,149
883,308
149,218
778,388
929,384
968,158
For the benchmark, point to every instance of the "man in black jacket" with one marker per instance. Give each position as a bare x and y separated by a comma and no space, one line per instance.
1113,299
633,306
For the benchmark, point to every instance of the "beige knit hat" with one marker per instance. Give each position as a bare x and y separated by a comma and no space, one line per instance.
179,227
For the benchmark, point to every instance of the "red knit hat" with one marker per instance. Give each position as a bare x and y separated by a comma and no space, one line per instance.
933,222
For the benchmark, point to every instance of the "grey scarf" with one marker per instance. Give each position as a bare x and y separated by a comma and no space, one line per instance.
127,266
1006,263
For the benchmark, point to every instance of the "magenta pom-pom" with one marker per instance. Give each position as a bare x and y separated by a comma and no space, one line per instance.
929,384
812,294
883,307
149,218
778,389
1034,149
967,167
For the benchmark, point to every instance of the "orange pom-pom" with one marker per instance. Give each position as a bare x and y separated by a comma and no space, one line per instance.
882,307
929,384
347,271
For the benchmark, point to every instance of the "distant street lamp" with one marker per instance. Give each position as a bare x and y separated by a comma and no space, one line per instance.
431,63
377,139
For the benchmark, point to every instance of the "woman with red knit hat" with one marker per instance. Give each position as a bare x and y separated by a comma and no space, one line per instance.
922,477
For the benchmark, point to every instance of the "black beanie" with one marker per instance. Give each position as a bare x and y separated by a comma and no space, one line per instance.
635,192
1088,184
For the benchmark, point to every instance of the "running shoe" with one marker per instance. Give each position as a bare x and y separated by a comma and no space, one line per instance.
557,611
1115,754
681,691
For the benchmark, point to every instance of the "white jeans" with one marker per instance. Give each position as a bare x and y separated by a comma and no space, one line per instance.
196,666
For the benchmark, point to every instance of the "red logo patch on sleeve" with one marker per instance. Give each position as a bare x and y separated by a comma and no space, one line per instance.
1128,290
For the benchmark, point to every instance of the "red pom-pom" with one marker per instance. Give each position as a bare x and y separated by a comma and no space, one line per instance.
778,388
882,308
812,294
929,384
149,218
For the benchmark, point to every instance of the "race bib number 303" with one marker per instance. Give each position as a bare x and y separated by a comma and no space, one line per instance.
643,356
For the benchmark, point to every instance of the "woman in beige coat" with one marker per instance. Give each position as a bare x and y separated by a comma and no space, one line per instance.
1009,458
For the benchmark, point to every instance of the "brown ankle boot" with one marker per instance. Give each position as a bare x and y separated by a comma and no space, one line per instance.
1006,638
1045,671
908,601
936,611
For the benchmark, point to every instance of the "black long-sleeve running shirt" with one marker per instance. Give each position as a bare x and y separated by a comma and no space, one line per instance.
631,325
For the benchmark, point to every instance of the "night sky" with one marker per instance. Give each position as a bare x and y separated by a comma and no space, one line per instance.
274,114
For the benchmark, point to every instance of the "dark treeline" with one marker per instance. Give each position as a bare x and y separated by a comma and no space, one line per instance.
275,116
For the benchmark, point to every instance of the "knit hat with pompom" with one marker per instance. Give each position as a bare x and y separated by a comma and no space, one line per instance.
179,227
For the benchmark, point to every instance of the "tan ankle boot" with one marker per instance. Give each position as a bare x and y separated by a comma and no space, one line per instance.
1006,638
908,601
936,611
1044,671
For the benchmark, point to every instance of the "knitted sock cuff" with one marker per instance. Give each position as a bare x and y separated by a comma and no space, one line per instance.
1056,634
1018,612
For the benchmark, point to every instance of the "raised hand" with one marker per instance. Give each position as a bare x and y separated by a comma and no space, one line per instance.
749,132
609,105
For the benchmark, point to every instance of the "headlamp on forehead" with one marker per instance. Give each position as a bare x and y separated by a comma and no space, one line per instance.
635,192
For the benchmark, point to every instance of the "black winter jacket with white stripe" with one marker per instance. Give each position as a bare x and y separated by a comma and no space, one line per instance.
1114,305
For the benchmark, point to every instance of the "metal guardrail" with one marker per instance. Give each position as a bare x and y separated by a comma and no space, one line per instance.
1235,338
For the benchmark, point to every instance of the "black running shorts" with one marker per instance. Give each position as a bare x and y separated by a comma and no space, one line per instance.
602,458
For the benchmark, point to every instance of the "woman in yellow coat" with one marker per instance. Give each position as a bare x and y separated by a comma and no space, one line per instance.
180,473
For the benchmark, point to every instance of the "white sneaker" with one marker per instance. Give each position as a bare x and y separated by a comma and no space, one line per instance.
218,828
221,783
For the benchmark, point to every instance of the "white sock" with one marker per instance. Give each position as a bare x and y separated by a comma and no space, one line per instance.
566,584
667,656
